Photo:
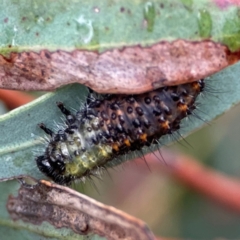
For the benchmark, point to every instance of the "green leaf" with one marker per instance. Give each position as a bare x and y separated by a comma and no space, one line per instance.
104,24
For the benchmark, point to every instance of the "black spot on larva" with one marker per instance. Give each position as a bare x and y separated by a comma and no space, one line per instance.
130,100
157,112
104,116
101,123
106,134
156,99
136,123
139,111
95,140
114,106
97,103
166,109
147,100
77,153
121,119
129,110
69,131
161,119
114,116
185,93
174,97
60,136
202,85
112,125
181,102
70,119
146,123
119,128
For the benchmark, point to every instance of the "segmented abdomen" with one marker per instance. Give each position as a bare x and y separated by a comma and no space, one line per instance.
114,125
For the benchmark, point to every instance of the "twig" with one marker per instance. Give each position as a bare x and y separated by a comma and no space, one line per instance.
213,184
14,99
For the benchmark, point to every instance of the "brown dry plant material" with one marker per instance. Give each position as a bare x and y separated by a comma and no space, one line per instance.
132,69
64,207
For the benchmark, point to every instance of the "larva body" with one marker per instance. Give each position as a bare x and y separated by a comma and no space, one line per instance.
114,125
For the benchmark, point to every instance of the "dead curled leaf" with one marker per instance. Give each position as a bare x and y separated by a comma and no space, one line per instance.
133,69
64,207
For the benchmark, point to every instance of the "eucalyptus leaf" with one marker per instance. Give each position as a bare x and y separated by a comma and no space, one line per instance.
107,24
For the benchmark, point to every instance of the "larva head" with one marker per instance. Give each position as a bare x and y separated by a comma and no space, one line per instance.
53,170
72,153
58,154
53,166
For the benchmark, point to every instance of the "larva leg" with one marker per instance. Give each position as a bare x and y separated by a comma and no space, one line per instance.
70,118
46,130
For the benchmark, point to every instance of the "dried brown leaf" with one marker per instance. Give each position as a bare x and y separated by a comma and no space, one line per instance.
64,207
133,69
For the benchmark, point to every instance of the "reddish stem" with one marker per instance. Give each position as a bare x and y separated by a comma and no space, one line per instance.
213,184
14,99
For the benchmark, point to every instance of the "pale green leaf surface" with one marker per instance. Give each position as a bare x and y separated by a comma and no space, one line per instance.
89,24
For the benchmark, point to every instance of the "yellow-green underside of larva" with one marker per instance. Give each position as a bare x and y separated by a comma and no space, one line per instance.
89,160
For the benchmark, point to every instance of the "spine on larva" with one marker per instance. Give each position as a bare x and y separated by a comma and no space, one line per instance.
113,125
